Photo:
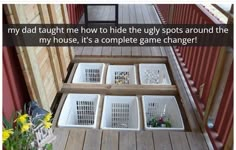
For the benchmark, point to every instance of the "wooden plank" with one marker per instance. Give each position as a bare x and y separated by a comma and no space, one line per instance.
163,51
97,51
100,108
78,50
126,51
132,14
179,141
144,140
125,16
116,51
110,140
139,14
119,89
120,20
140,105
75,139
37,86
136,51
72,73
145,51
106,51
230,141
67,21
51,50
121,60
196,141
155,51
61,138
153,14
59,108
93,140
146,17
127,140
87,51
61,57
162,140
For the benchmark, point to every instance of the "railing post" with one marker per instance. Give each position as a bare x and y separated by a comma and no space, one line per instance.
171,11
216,78
230,140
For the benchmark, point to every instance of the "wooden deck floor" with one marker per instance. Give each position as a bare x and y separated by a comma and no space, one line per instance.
128,14
96,139
82,139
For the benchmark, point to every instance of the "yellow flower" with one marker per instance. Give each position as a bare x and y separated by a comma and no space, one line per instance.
47,117
25,127
6,134
22,118
47,124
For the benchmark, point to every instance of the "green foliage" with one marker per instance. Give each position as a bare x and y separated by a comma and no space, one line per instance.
19,134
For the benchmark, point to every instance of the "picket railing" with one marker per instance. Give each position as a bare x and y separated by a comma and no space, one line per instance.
203,70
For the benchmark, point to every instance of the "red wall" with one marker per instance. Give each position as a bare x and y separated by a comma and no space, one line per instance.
75,11
15,92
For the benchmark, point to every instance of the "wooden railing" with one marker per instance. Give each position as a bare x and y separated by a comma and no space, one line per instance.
203,70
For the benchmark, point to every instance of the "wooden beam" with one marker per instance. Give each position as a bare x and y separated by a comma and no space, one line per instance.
120,60
120,89
59,108
51,50
230,141
67,21
59,50
72,73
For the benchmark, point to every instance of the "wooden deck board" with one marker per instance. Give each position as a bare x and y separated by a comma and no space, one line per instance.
61,138
100,139
110,140
87,51
196,141
116,51
128,14
75,139
97,51
106,51
162,140
179,141
144,140
95,139
136,51
127,140
92,140
126,51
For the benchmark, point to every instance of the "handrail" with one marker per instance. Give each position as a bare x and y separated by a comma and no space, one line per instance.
202,68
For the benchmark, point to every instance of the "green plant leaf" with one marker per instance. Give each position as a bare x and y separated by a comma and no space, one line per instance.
25,110
6,123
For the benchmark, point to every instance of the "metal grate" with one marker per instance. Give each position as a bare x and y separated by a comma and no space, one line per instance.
120,115
92,75
121,77
85,112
